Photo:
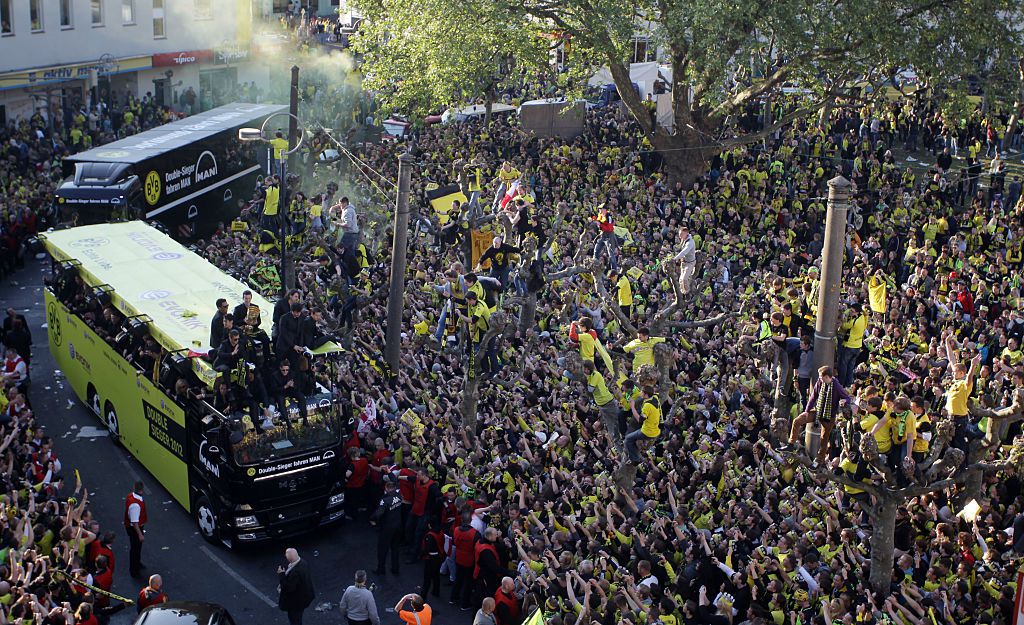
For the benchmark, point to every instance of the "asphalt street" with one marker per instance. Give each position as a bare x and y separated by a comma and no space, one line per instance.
243,581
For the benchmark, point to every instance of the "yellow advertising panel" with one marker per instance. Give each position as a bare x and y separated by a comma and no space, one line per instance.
151,274
149,424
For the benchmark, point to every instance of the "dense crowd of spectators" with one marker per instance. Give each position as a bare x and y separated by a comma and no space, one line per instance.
723,523
524,505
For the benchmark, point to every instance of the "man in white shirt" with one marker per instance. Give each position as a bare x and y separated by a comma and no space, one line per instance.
349,225
687,258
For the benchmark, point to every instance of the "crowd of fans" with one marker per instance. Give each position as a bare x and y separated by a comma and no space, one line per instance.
525,505
724,522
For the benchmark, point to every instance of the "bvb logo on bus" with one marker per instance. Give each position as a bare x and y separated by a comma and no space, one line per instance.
53,319
152,188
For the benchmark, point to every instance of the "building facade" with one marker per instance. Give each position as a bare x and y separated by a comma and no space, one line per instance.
187,54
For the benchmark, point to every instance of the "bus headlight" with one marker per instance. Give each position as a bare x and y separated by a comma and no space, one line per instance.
336,500
246,521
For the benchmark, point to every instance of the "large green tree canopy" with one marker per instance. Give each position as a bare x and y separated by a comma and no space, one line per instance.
724,54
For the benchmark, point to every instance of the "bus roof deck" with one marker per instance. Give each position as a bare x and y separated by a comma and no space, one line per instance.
148,273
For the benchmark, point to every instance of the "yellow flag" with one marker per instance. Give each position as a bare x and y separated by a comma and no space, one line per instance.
535,619
876,294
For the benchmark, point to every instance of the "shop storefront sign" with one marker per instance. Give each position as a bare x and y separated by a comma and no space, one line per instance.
177,59
71,71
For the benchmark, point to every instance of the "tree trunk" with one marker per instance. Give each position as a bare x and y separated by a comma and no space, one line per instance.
825,113
488,106
1011,126
686,154
783,384
527,313
882,536
468,405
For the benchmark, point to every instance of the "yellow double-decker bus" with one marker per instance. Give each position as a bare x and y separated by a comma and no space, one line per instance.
122,289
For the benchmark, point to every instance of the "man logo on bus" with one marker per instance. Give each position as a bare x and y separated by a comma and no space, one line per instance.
206,167
153,188
53,320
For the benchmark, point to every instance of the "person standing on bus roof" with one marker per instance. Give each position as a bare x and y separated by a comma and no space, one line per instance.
135,525
283,305
217,333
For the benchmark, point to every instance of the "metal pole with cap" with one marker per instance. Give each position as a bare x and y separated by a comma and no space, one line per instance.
399,243
827,322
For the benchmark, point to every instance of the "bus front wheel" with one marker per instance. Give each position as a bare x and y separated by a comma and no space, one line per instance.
206,519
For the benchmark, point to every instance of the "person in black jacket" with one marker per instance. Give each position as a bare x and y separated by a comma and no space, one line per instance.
19,338
291,340
284,383
284,305
9,320
388,517
296,591
248,316
217,324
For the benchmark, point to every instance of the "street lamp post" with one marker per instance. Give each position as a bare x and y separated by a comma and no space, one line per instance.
257,134
827,320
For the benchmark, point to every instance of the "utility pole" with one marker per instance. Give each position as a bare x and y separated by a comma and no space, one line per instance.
827,322
287,275
396,293
293,122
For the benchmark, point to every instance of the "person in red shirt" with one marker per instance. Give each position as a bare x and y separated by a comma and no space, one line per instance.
507,609
102,547
355,487
153,594
488,571
135,526
84,614
103,579
966,301
426,498
465,538
433,555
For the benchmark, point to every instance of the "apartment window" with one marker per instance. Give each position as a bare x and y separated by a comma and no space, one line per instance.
159,25
97,12
65,14
6,17
127,12
204,9
35,13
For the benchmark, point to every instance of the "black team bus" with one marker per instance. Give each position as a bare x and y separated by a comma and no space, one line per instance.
188,174
128,318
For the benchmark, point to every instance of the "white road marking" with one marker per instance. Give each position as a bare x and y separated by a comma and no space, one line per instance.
238,578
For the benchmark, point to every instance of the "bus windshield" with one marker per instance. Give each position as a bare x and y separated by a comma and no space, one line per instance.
322,429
